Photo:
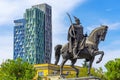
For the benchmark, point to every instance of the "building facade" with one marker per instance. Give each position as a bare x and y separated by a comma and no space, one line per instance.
19,36
48,30
49,71
38,34
34,36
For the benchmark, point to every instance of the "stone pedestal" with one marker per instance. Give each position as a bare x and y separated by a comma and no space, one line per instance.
83,78
80,78
53,78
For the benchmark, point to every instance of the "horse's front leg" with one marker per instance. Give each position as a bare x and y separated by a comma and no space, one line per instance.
61,67
90,65
102,54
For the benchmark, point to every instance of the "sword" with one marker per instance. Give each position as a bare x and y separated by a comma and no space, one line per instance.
71,23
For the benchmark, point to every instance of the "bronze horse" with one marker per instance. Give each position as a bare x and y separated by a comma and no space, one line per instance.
89,51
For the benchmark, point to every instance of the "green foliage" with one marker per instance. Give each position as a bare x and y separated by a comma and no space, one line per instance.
83,72
95,72
113,69
85,64
100,74
39,78
16,70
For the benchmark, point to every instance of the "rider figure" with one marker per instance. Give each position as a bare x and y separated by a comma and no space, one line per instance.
75,36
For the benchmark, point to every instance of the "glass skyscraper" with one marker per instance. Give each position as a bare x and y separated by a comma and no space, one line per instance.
48,30
37,34
19,36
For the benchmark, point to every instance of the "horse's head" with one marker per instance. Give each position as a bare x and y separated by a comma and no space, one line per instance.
102,33
98,34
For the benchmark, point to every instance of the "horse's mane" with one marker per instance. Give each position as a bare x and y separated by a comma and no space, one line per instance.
94,31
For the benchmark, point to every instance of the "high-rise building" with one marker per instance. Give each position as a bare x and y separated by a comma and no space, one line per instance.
19,36
34,35
38,34
48,30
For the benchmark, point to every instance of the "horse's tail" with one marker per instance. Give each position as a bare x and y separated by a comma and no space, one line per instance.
57,53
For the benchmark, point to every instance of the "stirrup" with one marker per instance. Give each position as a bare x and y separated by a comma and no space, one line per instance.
74,57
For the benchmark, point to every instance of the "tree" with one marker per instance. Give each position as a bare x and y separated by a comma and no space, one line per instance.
85,64
39,78
99,73
113,69
16,70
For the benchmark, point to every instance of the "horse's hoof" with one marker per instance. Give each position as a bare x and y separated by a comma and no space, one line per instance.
90,75
77,76
62,76
97,62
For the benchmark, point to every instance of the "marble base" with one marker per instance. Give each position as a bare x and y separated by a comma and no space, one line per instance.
83,78
80,78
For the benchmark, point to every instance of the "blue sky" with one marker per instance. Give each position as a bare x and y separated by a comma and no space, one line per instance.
92,13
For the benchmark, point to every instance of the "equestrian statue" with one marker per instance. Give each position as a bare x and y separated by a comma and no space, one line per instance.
80,46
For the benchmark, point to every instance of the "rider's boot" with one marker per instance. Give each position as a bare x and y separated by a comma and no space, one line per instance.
75,53
75,56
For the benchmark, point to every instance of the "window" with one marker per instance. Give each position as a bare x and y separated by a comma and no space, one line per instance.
40,73
54,72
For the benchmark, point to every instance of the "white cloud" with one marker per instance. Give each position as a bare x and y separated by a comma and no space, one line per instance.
11,10
6,47
111,26
116,42
114,26
92,27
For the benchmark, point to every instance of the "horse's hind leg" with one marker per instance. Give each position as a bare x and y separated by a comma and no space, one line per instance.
61,67
73,61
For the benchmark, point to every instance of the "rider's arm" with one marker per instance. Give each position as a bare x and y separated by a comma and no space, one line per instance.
71,31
